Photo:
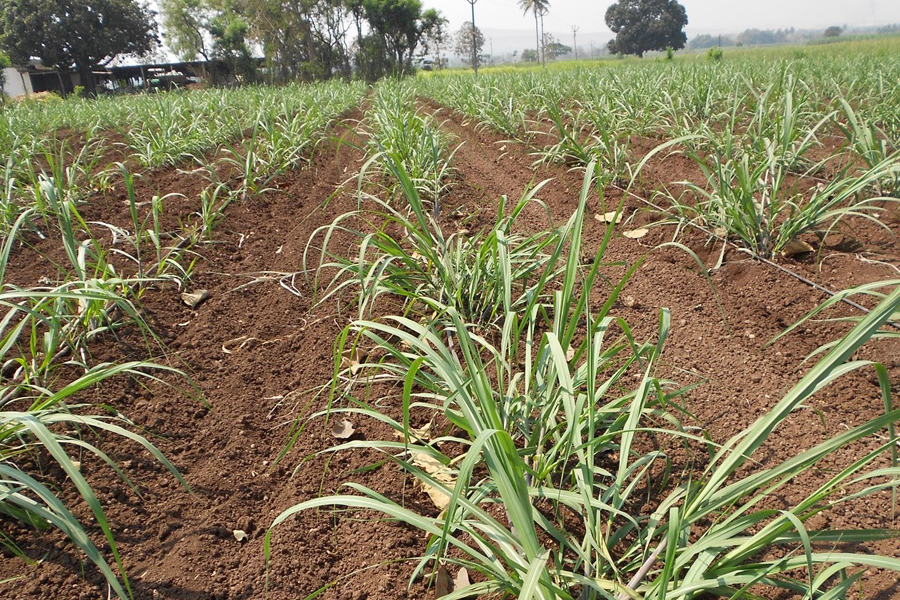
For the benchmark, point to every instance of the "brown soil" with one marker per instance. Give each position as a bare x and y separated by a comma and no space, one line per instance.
260,356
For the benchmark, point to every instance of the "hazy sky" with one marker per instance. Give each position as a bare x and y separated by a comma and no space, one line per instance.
703,15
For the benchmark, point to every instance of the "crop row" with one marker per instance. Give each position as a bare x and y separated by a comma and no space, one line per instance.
784,148
533,447
239,141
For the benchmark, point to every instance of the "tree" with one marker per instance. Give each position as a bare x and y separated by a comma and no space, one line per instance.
300,39
401,25
833,31
186,27
757,37
303,39
703,41
229,32
211,29
4,63
463,43
644,25
529,55
538,8
284,31
436,41
329,25
554,48
78,35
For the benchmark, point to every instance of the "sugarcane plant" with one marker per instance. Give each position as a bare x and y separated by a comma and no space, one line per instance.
554,429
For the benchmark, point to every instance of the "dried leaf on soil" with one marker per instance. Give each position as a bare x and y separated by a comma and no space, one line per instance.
461,580
610,217
342,429
240,535
350,358
422,433
443,585
636,233
795,247
237,343
441,473
194,299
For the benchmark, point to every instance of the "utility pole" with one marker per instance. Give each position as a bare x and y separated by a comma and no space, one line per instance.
474,45
575,40
491,56
592,49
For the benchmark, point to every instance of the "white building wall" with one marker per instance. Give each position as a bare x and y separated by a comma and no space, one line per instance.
14,83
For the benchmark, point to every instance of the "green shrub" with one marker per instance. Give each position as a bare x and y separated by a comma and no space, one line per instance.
4,63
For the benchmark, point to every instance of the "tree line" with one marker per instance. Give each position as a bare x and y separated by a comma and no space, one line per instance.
761,37
303,39
296,39
275,41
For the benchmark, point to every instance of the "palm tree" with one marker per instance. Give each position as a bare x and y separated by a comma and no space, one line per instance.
538,8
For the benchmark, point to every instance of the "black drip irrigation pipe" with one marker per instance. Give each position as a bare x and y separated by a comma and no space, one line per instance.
824,290
785,270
